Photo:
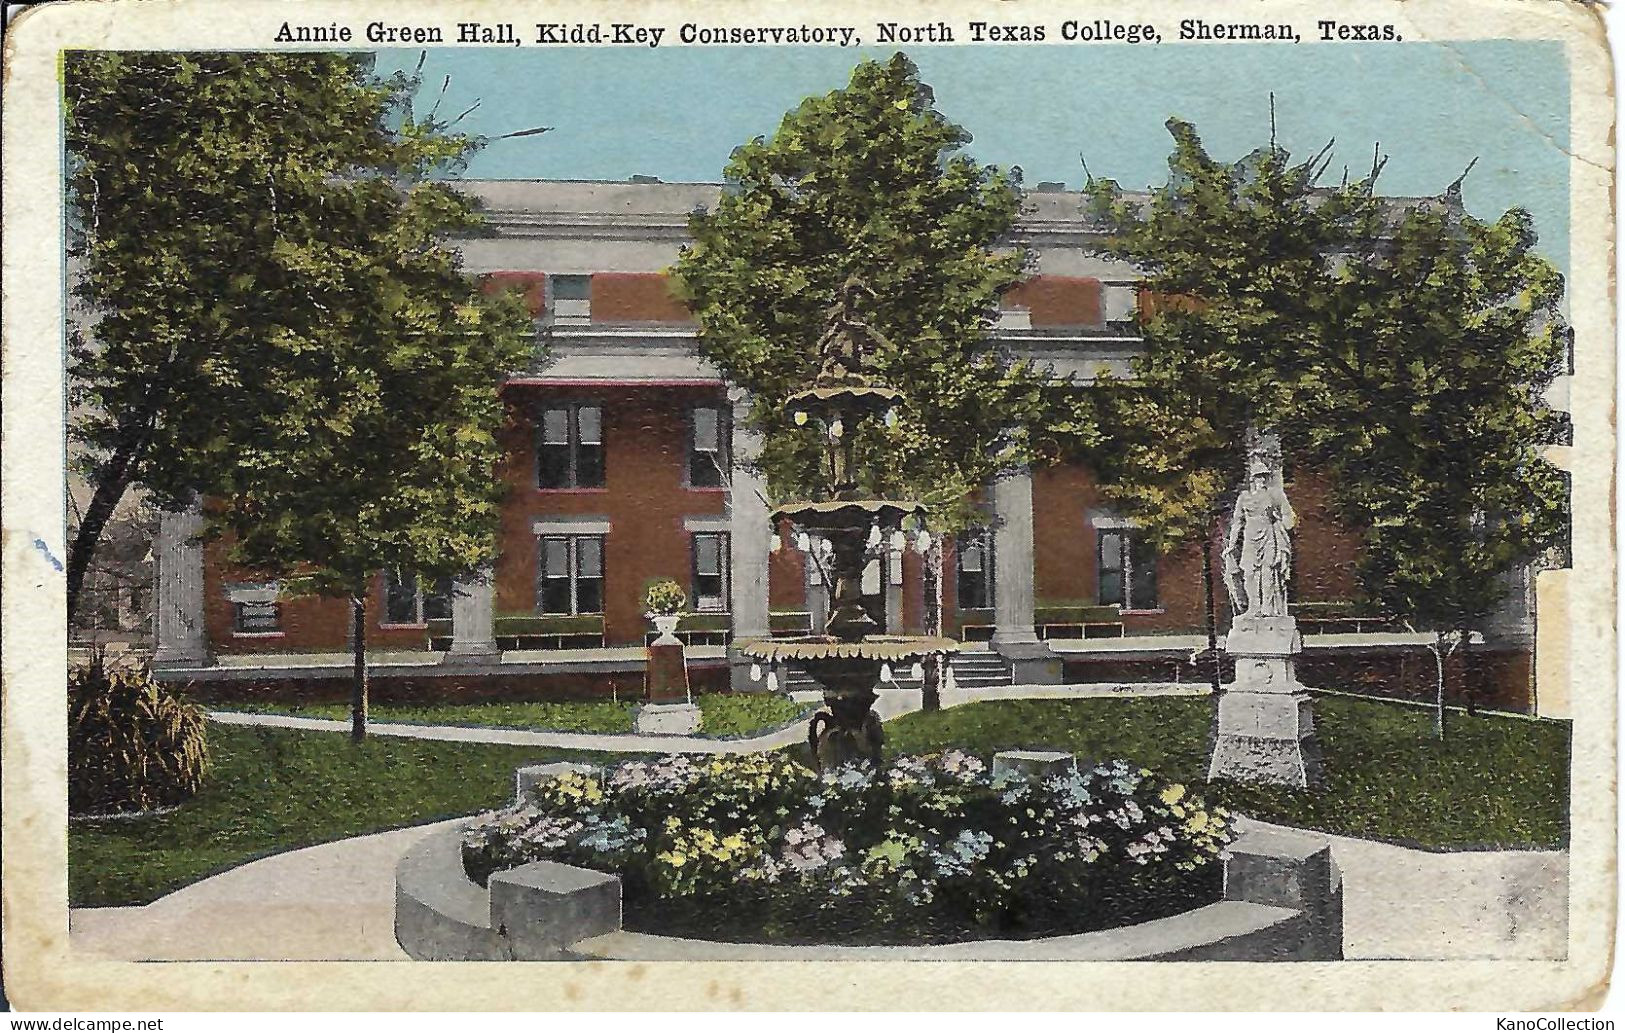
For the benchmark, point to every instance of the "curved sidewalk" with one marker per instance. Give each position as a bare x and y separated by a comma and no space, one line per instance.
893,703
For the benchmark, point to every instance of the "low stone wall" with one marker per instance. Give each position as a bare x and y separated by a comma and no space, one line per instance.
1283,901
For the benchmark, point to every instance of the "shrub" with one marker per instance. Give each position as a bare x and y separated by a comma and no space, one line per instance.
665,597
927,849
133,743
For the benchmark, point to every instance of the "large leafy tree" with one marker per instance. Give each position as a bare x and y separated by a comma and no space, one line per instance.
1430,417
872,181
1239,262
280,325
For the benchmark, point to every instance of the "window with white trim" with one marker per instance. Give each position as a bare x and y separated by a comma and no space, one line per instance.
707,447
570,574
710,556
407,602
975,570
1125,570
570,447
255,609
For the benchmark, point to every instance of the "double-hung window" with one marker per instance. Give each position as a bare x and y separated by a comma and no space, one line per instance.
1126,570
570,578
710,572
975,570
570,447
707,448
408,600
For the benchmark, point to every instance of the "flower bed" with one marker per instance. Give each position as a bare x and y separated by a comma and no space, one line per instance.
929,849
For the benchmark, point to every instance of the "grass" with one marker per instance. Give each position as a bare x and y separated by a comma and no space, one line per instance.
273,789
747,713
1496,782
722,714
595,717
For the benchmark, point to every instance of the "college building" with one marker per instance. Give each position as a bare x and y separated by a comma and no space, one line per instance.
623,463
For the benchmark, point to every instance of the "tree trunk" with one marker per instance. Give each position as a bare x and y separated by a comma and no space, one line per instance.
110,488
931,684
1437,649
1209,614
358,686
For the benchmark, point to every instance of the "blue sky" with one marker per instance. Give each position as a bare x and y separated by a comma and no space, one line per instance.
677,112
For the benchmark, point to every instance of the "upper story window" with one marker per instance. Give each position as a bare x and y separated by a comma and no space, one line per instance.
975,570
409,600
570,447
570,297
1126,570
570,574
707,447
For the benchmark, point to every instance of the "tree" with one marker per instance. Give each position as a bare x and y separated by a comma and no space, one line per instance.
871,181
1433,423
1238,268
280,326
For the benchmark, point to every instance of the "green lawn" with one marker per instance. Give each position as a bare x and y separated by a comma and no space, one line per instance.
1496,782
273,789
722,714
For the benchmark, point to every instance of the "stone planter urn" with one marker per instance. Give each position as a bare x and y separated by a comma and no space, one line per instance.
666,624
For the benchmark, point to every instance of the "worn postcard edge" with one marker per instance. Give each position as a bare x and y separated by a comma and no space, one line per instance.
41,972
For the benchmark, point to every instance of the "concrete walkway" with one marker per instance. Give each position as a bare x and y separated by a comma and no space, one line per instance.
893,703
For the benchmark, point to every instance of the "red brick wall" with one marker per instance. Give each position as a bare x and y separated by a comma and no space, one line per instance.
532,284
309,623
644,497
1058,300
786,579
636,298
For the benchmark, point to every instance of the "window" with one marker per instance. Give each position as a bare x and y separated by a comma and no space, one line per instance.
405,601
707,448
975,570
570,447
710,572
570,297
1126,569
257,618
570,578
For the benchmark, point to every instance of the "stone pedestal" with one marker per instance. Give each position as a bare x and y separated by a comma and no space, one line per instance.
1266,727
473,629
665,677
1032,763
667,719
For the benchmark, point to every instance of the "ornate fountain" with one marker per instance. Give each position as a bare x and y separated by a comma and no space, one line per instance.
845,532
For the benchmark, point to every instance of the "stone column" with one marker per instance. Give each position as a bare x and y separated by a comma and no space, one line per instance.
817,594
748,532
473,625
1032,662
892,571
179,630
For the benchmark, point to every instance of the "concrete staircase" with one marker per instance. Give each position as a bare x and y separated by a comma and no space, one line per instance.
972,669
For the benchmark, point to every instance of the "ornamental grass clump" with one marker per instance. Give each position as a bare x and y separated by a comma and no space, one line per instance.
133,743
927,849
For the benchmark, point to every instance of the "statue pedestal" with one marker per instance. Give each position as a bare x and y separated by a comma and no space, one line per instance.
665,678
1266,727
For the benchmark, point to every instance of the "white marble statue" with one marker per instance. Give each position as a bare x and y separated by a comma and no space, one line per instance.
1258,546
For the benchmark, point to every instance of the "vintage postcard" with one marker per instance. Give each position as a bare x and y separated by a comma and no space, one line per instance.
684,506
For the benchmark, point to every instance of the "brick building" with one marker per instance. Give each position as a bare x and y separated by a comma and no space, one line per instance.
620,460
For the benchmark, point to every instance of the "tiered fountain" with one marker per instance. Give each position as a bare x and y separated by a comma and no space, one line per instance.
850,659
